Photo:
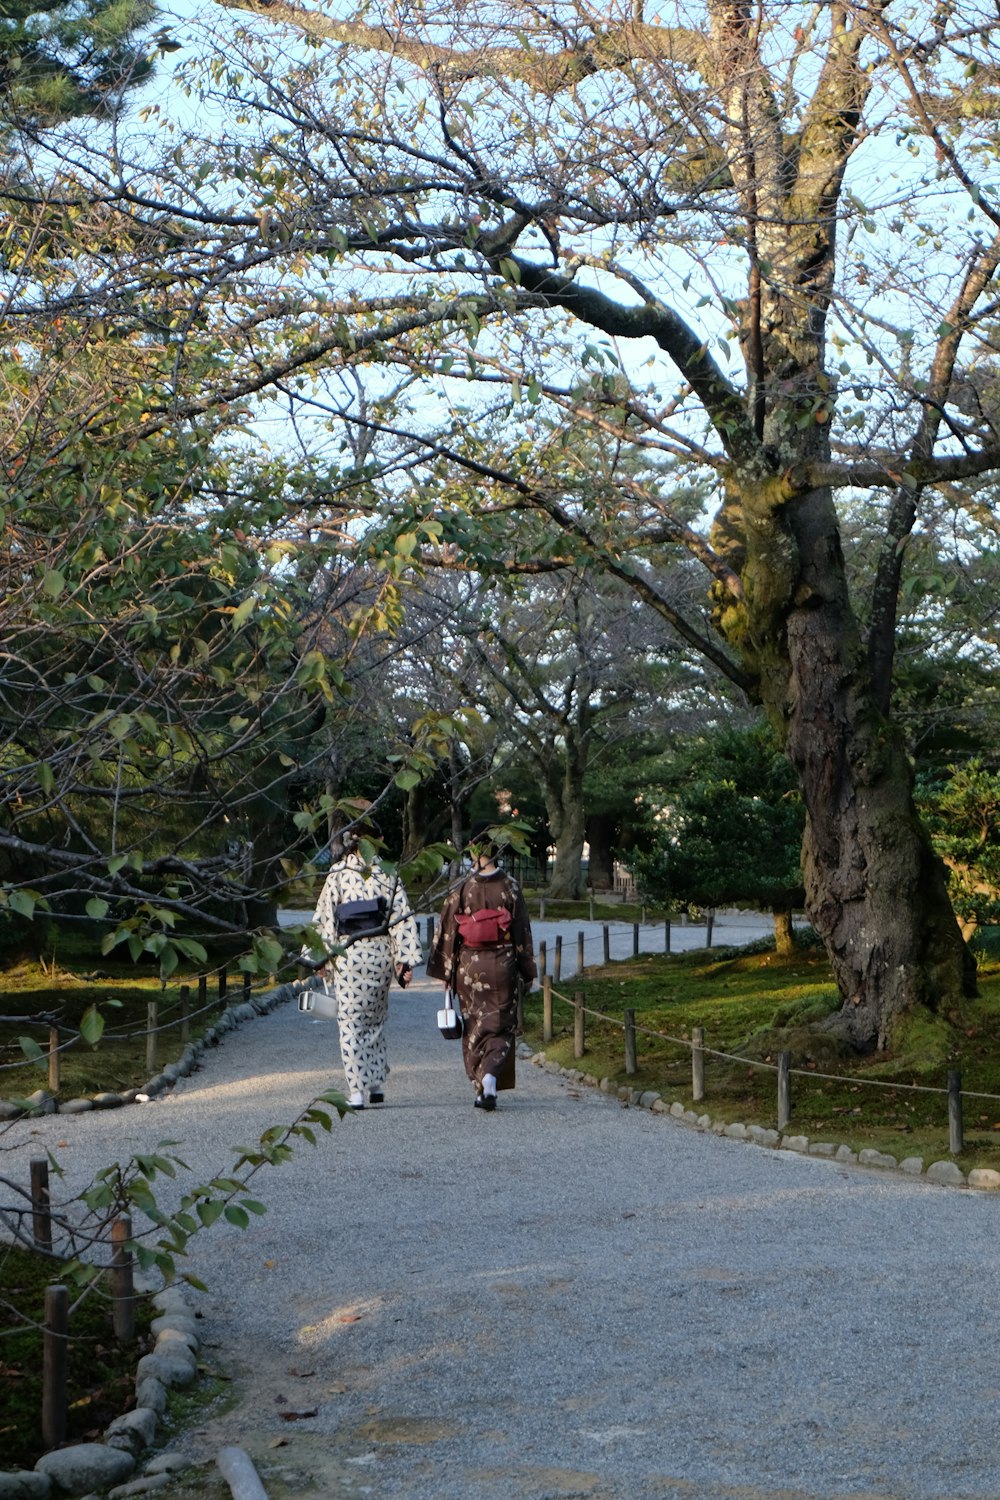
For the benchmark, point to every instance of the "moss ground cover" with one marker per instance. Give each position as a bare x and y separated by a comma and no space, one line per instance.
68,985
100,1371
740,1001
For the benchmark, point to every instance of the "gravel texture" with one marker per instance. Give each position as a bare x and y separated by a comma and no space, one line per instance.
568,1297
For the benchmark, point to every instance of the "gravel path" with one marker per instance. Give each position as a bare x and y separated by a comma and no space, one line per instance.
567,1298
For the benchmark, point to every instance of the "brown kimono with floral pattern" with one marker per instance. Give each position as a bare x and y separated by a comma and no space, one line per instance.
485,979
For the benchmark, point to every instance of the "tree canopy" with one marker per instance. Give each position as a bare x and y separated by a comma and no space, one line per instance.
750,250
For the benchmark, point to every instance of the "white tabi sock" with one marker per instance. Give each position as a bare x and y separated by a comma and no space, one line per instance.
489,1084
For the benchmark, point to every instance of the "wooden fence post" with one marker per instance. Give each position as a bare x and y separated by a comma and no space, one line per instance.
54,1341
709,926
41,1212
558,962
547,1008
151,1023
185,998
591,906
223,982
580,960
541,908
631,1065
53,1059
697,1063
579,1023
635,940
607,943
122,1289
666,935
202,991
247,987
956,1139
542,957
784,1089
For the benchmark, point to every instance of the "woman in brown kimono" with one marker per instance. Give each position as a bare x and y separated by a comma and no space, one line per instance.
483,969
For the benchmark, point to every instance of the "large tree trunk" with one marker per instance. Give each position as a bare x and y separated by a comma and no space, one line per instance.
875,890
601,830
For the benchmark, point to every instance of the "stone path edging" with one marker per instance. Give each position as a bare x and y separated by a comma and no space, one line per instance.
946,1173
109,1466
41,1102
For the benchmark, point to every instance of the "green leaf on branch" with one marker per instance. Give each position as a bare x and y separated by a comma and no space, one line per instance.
31,1049
92,1026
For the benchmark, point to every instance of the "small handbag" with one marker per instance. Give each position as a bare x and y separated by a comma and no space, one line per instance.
320,1000
450,1023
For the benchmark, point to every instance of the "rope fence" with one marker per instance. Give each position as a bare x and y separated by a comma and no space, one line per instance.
785,1072
33,1220
61,1038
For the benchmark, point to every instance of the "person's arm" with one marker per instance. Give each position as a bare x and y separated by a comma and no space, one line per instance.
441,959
404,937
520,931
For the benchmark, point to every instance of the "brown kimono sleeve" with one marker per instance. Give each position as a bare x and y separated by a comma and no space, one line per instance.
524,949
441,959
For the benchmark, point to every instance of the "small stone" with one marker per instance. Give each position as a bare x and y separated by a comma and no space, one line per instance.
648,1098
589,1080
659,1107
871,1158
984,1177
605,1086
795,1143
152,1393
822,1148
9,1110
677,1109
41,1102
133,1431
173,1299
705,1121
180,1323
623,1094
108,1101
84,1467
176,1338
147,1485
736,1131
844,1153
25,1484
168,1463
912,1165
178,1368
946,1173
689,1116
76,1107
718,1127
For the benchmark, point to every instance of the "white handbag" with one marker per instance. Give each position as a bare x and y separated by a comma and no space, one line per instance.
450,1023
320,1000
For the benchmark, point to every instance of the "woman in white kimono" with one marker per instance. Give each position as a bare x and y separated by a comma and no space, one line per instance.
362,975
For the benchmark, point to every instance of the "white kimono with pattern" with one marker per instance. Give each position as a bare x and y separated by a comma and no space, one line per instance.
363,974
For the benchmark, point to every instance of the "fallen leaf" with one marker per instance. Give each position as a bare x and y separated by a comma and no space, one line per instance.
269,1265
336,1390
350,1318
297,1416
278,1442
302,1374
